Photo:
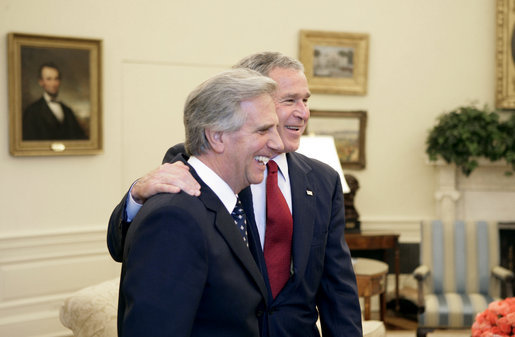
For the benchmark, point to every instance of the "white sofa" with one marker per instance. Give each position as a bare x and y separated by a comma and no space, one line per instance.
91,312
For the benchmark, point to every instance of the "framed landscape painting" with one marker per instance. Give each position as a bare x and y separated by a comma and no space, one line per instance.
349,131
335,63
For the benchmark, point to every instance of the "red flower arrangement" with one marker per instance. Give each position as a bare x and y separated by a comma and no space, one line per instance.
497,320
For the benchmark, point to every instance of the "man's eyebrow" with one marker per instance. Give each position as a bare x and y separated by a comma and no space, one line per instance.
265,127
292,95
289,95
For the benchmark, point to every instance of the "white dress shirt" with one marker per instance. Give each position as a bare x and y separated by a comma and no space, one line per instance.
222,190
258,192
217,184
56,107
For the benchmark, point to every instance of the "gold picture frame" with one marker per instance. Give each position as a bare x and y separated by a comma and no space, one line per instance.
335,63
67,120
505,56
349,131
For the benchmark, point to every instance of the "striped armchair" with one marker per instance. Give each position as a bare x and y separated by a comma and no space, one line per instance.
459,272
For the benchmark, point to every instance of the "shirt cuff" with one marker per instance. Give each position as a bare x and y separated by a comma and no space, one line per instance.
132,207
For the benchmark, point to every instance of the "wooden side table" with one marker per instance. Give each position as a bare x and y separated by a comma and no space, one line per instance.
371,279
372,240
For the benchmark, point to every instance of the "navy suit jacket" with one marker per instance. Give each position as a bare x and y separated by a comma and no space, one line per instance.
187,271
40,123
323,278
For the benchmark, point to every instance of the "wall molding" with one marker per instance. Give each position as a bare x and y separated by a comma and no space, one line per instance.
39,269
487,194
407,228
40,245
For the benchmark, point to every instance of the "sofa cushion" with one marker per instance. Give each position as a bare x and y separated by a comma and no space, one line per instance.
92,311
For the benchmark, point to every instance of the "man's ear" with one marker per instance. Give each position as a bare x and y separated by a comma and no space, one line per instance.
215,139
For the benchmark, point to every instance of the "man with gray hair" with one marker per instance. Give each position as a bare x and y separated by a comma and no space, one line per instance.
187,269
312,275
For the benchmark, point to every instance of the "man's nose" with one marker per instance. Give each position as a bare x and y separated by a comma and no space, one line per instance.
302,110
275,143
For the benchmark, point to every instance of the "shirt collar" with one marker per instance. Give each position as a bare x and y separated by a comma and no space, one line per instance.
283,164
48,99
222,190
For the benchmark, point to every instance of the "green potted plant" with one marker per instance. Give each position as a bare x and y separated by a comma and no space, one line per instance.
467,133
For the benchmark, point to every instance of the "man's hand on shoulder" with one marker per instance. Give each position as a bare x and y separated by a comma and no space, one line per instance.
167,178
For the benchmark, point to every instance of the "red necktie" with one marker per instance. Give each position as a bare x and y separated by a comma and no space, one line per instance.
278,234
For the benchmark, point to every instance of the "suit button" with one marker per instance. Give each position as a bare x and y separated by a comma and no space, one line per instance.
271,311
259,313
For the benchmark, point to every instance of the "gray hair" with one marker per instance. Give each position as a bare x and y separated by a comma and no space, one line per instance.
216,105
264,62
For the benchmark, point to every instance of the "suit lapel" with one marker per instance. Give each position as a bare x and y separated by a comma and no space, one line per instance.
254,240
225,226
48,114
303,196
304,210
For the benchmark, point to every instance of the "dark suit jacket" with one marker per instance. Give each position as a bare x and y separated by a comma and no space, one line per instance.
39,123
323,275
187,272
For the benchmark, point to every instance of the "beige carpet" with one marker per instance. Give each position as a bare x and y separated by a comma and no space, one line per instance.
442,333
400,333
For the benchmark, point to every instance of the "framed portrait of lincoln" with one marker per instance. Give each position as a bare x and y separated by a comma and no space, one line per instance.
54,95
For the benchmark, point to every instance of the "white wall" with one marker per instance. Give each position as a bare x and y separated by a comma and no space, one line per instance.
426,57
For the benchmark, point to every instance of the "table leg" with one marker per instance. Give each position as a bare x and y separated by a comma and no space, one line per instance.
366,299
382,299
397,271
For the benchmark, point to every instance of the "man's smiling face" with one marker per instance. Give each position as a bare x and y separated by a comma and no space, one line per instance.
291,104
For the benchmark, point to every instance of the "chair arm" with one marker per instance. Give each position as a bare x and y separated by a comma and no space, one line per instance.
420,274
502,273
506,276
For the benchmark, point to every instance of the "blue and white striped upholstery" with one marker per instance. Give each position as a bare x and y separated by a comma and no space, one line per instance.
460,256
